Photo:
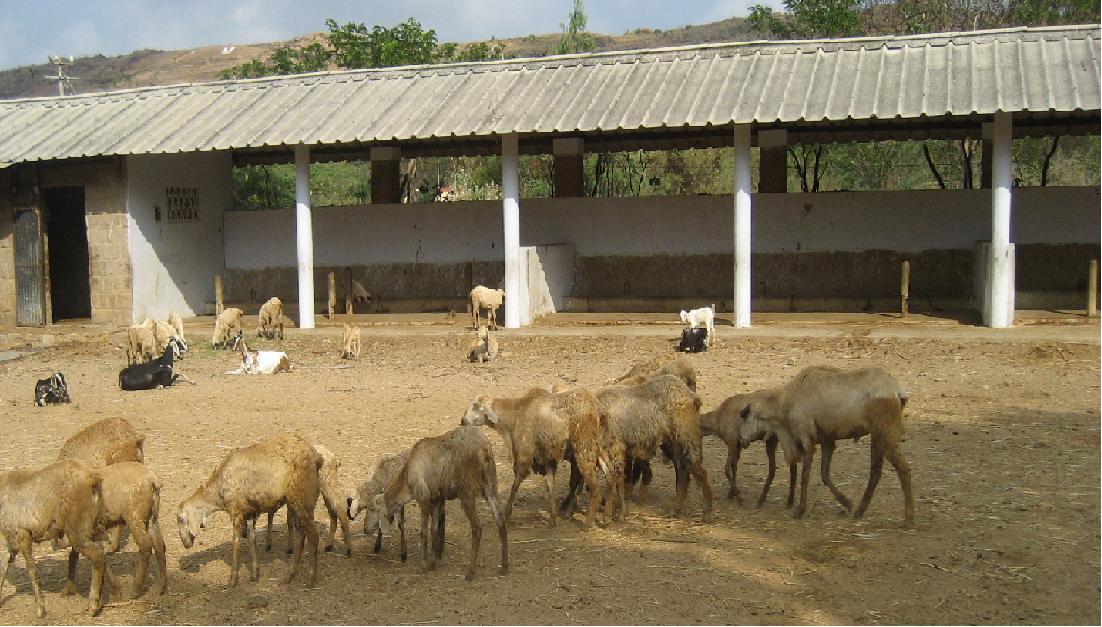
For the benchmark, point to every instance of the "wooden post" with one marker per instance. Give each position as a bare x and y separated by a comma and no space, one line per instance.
1092,289
905,290
219,304
332,294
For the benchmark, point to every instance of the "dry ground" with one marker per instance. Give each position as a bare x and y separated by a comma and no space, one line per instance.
1003,439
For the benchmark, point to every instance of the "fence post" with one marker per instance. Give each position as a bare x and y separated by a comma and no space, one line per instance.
332,294
905,290
1092,289
219,304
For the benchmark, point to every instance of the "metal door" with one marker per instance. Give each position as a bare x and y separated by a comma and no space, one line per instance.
30,309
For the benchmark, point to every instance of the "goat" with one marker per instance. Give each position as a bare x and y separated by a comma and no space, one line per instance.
153,375
705,317
51,391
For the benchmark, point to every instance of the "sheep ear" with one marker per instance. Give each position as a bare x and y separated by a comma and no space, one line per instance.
745,413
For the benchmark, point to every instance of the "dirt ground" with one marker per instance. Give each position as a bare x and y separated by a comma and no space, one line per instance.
1003,438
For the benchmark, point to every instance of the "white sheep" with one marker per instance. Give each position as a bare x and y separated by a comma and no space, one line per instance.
351,342
177,323
703,317
226,326
141,343
270,319
485,298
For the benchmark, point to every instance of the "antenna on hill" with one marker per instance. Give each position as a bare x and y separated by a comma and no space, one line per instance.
64,87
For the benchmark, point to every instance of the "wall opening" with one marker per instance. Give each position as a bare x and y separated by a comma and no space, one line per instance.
67,233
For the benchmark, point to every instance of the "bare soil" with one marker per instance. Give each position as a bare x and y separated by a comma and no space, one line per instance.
1003,438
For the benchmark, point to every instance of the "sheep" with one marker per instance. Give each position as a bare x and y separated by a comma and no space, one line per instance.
270,319
456,465
141,343
331,495
656,367
542,428
225,325
177,323
386,470
821,405
703,317
165,334
661,413
105,442
39,504
132,498
351,342
255,480
483,348
51,391
725,423
485,298
260,362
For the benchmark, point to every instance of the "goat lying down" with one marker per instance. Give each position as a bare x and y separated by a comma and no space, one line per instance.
260,362
156,374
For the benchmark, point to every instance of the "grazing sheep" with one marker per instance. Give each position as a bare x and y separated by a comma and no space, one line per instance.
254,480
105,442
657,367
260,362
485,298
270,319
821,405
226,326
456,465
703,317
351,342
331,494
659,414
141,343
38,504
359,292
177,323
726,423
164,335
386,470
51,391
484,348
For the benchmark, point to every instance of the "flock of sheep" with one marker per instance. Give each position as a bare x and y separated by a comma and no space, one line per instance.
609,432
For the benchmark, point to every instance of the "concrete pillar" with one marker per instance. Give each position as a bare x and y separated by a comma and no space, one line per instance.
1000,269
742,225
510,218
773,161
386,178
569,154
304,228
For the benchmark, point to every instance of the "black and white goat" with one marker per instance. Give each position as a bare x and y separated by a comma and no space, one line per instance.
694,340
51,391
153,375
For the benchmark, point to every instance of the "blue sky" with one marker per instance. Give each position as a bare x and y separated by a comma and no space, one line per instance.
32,29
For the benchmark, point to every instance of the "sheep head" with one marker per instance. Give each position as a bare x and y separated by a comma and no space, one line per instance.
480,412
191,516
379,516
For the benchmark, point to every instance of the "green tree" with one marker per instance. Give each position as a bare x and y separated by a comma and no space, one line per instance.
574,37
805,19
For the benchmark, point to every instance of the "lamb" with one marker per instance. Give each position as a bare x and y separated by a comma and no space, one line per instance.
386,470
270,319
105,442
821,405
661,413
51,391
703,317
484,348
39,504
141,343
351,342
485,298
456,465
725,423
254,480
653,368
226,325
542,428
260,362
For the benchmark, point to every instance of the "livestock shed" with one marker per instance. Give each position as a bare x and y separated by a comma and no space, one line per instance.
117,206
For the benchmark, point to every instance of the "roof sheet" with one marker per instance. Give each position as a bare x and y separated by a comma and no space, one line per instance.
1053,69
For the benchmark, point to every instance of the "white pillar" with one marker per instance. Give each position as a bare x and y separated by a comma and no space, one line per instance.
1000,267
742,225
304,230
510,218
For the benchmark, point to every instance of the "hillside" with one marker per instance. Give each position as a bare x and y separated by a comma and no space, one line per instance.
166,67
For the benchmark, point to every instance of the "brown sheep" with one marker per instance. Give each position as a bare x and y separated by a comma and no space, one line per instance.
270,319
254,480
821,405
132,497
226,326
656,367
386,470
104,442
350,343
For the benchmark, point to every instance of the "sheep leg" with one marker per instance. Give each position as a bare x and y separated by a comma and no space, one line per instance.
489,491
426,518
876,465
587,466
71,578
549,479
292,532
520,472
25,548
643,472
238,531
828,454
771,458
903,469
402,533
94,552
254,567
791,485
268,541
145,547
159,550
681,478
378,541
569,504
6,558
476,534
116,540
805,475
438,539
731,470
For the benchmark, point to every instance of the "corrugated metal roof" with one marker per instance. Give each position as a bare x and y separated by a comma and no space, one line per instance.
1052,69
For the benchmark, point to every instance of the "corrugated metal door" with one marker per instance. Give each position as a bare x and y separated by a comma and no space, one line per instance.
30,307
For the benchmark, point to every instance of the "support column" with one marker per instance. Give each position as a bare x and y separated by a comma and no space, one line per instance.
569,154
510,218
773,161
304,229
742,225
1000,267
385,175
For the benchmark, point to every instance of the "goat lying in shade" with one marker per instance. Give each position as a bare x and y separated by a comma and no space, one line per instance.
51,391
260,362
155,374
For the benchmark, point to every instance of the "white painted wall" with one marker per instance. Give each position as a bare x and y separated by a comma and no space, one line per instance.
174,263
838,221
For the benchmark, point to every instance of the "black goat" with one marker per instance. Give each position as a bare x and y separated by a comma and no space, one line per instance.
154,374
51,391
694,340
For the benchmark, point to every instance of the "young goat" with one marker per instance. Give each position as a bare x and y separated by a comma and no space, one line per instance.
350,343
821,405
260,362
703,317
51,391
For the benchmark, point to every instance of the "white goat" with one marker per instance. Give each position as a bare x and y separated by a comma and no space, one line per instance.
260,362
703,317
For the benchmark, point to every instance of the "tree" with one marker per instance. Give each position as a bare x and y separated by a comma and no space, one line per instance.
805,19
574,38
